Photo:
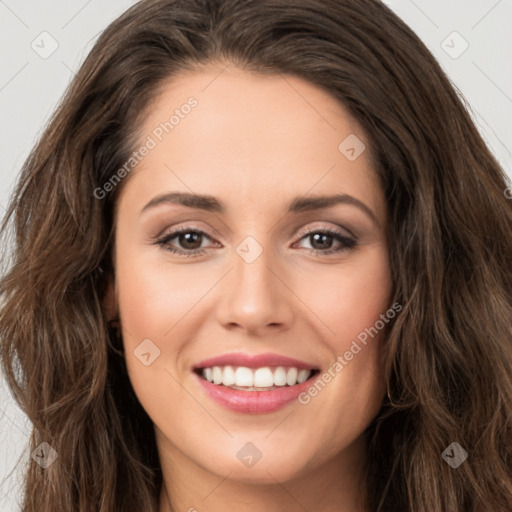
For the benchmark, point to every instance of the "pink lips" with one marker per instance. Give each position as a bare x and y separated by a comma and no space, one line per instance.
257,361
253,402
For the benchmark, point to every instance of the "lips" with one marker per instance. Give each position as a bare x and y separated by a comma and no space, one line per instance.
254,383
254,361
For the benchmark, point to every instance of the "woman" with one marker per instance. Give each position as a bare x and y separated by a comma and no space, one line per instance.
172,339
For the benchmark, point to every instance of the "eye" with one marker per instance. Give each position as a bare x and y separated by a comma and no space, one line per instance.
189,238
322,241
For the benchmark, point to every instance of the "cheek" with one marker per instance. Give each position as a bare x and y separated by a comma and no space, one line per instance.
163,303
153,338
350,298
152,299
352,302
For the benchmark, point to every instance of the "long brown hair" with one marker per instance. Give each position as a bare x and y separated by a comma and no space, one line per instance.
448,356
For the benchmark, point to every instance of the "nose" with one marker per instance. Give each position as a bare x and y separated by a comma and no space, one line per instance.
255,298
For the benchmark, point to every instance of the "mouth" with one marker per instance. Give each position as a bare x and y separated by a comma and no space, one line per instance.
255,379
254,384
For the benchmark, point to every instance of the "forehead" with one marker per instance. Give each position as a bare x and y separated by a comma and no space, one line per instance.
262,138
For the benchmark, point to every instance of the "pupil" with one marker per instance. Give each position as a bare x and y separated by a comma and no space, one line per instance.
320,236
189,240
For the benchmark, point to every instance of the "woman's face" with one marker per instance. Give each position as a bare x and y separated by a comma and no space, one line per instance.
260,273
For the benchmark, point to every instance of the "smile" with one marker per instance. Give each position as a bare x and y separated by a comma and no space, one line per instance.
254,384
260,379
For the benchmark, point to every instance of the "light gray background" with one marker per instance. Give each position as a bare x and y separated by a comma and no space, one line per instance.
31,86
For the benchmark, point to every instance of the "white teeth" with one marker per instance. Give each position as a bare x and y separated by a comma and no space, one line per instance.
217,375
291,376
228,376
261,378
303,376
244,376
280,376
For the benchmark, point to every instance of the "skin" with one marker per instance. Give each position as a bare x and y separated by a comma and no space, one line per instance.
255,143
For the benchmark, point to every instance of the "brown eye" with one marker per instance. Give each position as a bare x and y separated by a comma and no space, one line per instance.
187,241
322,241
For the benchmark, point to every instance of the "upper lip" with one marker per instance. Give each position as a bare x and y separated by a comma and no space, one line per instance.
253,361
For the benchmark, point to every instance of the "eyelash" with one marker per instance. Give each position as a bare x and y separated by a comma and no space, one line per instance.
348,243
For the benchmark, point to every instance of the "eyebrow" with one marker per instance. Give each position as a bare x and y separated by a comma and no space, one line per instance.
299,204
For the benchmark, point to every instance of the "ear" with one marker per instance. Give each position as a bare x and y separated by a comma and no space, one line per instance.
109,302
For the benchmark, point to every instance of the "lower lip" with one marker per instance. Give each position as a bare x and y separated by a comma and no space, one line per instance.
253,402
